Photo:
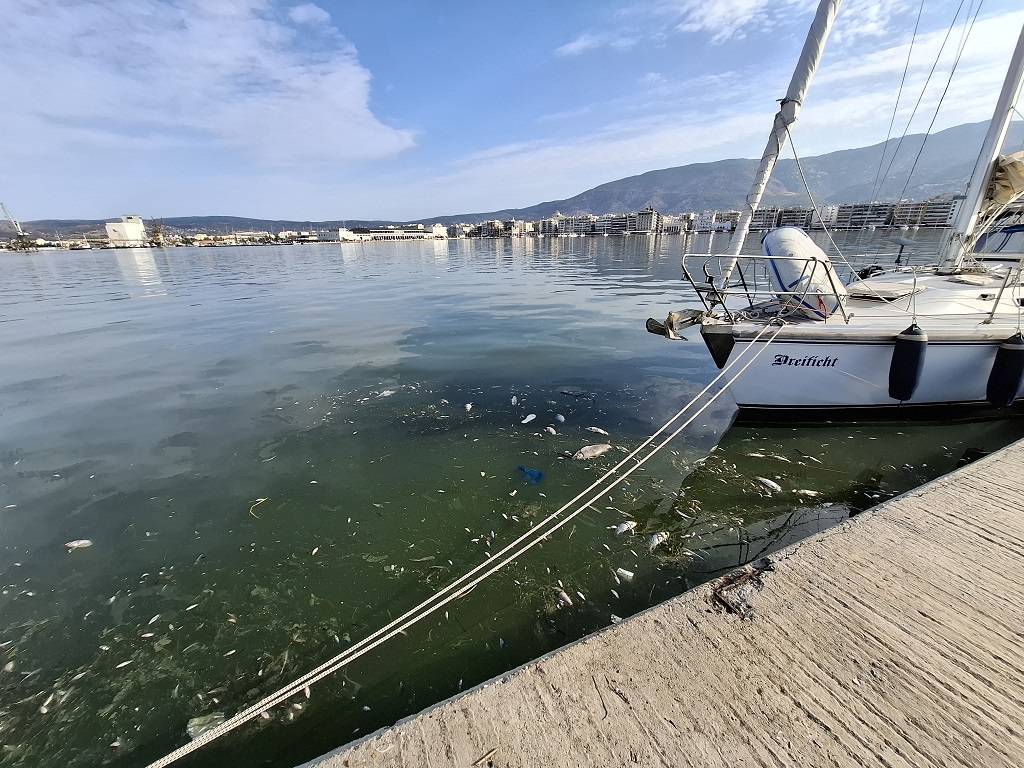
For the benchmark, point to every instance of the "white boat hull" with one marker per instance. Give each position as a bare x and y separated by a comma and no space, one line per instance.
827,375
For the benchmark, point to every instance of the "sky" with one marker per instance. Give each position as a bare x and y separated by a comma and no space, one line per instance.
400,110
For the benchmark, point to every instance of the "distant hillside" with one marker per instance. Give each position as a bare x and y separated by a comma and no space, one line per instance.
847,176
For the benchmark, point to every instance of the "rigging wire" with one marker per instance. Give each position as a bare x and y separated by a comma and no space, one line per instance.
920,97
810,196
963,44
899,94
465,583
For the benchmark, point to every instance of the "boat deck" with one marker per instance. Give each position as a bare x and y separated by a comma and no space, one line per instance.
896,639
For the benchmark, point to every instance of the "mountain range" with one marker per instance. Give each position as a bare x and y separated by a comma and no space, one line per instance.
941,164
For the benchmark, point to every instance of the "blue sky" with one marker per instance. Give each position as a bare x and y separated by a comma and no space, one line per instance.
404,110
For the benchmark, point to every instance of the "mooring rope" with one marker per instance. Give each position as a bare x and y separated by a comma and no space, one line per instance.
493,564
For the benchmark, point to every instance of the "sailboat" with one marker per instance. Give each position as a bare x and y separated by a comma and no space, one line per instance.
795,332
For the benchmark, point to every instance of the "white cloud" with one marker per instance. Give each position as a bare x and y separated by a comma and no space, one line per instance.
308,13
225,76
589,41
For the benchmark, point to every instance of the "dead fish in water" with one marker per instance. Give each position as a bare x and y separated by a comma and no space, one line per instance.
559,418
78,544
469,406
770,484
550,430
597,429
592,451
621,528
515,400
623,574
805,492
529,418
197,726
657,540
563,598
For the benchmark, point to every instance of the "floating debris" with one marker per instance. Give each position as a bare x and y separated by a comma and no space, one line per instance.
386,393
469,406
515,400
532,476
628,525
592,451
559,418
529,418
616,619
598,430
623,574
769,484
78,544
550,430
197,726
805,492
657,540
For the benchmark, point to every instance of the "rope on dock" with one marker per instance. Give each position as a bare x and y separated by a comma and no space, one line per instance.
492,565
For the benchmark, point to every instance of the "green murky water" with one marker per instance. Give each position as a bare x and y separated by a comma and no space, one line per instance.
271,452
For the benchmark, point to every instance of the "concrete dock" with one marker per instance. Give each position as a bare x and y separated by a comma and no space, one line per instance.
896,639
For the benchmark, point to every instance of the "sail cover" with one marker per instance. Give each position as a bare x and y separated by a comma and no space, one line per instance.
1007,183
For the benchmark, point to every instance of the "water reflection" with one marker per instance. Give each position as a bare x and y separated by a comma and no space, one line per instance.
138,268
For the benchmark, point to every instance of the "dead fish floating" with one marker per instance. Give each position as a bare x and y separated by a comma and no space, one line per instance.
559,418
657,540
621,528
550,430
529,418
563,598
78,544
598,430
197,726
770,484
623,574
592,451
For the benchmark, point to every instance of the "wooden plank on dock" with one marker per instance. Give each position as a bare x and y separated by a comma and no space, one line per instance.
896,639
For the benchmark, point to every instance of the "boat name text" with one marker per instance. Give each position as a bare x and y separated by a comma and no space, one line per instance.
806,360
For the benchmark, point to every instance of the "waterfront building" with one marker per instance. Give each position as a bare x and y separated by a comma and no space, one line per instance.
130,232
796,217
765,218
824,216
863,215
612,224
649,220
549,226
406,232
578,225
716,221
937,212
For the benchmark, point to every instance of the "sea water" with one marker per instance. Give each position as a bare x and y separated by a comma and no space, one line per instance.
274,451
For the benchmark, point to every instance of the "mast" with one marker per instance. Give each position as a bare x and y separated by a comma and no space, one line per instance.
788,112
967,215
